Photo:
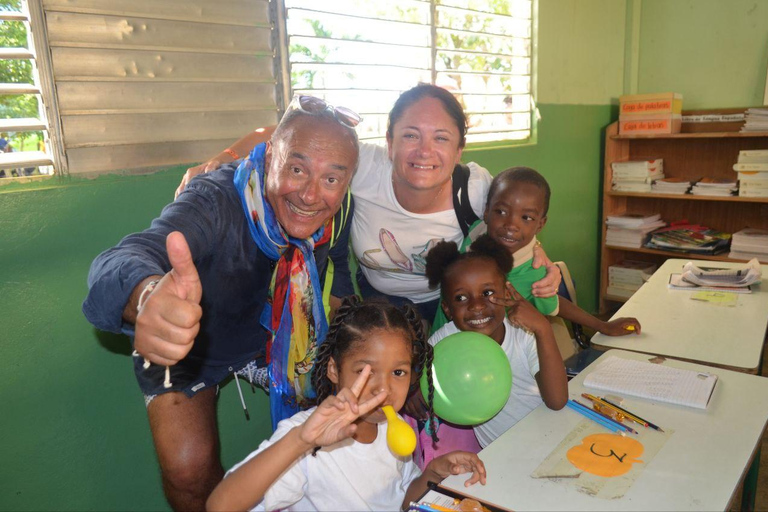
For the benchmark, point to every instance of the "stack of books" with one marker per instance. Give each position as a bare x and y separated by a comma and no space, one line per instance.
689,238
637,175
650,113
675,186
750,243
714,187
627,277
631,230
752,170
756,120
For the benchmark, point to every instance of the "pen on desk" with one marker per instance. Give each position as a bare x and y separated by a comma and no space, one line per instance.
629,414
585,411
605,416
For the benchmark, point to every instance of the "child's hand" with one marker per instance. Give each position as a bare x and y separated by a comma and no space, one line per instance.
415,406
456,463
521,313
333,420
621,327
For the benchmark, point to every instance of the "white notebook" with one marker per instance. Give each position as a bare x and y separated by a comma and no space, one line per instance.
653,381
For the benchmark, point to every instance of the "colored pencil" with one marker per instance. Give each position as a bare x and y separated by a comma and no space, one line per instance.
626,412
602,402
595,418
605,416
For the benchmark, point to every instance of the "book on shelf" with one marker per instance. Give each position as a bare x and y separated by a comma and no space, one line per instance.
676,282
756,120
753,156
620,292
714,187
741,255
753,192
638,167
632,220
689,238
750,167
671,186
631,187
634,268
653,382
750,240
653,103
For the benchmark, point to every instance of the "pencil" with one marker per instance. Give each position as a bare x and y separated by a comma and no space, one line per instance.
595,418
648,423
617,422
628,416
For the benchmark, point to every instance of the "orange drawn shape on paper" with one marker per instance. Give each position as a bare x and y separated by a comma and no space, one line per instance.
606,454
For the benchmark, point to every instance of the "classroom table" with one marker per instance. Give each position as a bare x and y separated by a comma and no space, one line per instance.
699,468
674,325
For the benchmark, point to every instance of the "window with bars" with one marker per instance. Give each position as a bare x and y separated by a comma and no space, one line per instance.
363,53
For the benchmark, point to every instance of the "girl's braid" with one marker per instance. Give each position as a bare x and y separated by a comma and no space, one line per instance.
323,386
422,355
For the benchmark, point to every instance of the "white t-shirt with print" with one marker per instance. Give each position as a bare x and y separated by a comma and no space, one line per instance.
391,243
520,348
345,476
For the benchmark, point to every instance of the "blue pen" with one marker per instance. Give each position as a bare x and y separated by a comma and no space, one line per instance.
597,419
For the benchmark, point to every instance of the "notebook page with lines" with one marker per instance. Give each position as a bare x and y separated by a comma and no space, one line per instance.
653,381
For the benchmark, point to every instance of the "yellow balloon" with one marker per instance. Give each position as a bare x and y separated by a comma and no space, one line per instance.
400,436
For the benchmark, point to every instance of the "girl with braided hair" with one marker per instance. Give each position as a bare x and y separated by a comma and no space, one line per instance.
477,297
334,456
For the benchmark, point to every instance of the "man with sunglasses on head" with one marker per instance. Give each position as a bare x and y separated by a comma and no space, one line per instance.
229,279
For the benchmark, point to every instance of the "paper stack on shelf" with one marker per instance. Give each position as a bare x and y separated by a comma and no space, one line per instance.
631,230
752,170
689,238
636,175
714,187
627,277
671,186
756,120
750,243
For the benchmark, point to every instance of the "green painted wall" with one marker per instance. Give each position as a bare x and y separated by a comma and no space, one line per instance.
714,52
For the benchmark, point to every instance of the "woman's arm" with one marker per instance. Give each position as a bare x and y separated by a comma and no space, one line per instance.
547,286
234,152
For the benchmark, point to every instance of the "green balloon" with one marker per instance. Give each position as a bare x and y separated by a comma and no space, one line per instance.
471,376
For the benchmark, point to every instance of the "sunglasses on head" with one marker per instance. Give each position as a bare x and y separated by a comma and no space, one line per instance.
316,106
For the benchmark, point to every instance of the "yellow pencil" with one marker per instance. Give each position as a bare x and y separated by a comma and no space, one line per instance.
626,414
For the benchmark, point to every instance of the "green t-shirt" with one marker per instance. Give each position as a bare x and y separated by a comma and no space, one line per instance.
522,278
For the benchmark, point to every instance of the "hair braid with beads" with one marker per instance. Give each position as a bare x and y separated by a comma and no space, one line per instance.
351,324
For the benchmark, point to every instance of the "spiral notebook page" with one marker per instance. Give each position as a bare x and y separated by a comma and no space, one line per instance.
653,381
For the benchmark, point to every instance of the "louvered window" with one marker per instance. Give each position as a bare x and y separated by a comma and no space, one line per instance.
362,54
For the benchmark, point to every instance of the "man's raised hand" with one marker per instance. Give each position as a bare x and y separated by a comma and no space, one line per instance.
169,320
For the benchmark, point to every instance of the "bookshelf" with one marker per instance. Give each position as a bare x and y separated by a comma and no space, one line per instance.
686,155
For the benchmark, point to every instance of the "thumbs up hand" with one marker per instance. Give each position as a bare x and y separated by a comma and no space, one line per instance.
169,320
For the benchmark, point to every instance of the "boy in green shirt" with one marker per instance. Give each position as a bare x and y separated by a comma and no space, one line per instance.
515,212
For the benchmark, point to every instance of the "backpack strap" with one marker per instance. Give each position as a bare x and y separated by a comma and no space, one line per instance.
464,213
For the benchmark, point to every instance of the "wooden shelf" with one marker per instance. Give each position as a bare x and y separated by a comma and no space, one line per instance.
672,254
698,135
689,156
690,197
615,298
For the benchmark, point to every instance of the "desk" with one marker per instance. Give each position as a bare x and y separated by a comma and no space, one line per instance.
699,467
673,325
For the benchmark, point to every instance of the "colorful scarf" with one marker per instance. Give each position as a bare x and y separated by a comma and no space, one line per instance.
294,314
